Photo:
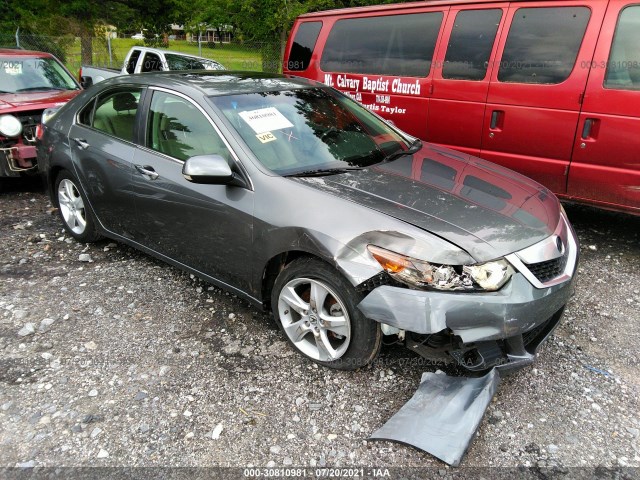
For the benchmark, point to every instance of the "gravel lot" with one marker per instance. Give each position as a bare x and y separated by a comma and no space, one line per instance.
124,360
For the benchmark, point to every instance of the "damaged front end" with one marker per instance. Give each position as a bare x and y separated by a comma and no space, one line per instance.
482,316
18,143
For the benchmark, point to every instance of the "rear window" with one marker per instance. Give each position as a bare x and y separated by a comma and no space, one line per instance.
303,45
543,44
399,45
623,69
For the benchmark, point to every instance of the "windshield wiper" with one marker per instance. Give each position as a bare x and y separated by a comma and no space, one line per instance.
413,148
41,89
321,172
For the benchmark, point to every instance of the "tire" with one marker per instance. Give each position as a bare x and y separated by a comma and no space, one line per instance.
77,218
336,335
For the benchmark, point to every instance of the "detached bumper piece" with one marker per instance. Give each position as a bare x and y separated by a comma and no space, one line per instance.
443,415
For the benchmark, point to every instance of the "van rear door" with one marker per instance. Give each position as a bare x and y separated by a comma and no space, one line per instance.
535,92
461,78
605,167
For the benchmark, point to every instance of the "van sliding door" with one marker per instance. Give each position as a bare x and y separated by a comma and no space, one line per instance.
461,78
536,89
605,167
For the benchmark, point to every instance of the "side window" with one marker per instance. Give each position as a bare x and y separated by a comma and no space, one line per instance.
400,45
543,44
151,63
178,129
303,45
470,44
115,113
133,59
623,68
85,117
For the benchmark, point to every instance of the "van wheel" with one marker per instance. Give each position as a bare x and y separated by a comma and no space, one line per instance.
76,216
316,308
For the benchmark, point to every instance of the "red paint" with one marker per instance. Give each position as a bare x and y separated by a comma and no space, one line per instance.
537,127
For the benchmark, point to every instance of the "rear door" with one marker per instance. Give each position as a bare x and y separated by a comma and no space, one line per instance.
606,156
102,148
536,90
461,78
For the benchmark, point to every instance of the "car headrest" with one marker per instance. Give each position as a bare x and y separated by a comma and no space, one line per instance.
124,101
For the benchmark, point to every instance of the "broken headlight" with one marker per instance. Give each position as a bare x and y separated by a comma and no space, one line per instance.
488,276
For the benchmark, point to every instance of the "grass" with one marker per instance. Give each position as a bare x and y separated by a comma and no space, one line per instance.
232,56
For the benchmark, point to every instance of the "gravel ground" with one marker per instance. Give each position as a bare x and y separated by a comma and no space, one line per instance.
124,361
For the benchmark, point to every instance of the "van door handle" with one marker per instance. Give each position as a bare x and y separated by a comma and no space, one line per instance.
496,120
586,129
82,143
147,171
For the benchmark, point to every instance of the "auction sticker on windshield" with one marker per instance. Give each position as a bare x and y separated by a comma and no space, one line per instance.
265,119
12,68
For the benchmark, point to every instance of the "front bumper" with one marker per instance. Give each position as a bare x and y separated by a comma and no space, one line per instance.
17,159
488,329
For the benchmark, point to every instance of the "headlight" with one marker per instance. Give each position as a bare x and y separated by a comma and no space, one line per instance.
488,276
10,126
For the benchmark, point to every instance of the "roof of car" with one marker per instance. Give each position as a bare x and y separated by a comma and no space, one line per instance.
216,82
17,52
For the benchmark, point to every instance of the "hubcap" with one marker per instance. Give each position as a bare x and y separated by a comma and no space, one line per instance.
315,319
72,207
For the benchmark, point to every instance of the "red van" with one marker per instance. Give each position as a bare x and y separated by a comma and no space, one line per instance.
550,88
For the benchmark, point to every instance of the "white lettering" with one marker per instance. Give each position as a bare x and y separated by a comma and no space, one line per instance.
398,86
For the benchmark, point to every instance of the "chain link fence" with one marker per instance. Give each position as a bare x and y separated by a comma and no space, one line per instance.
111,52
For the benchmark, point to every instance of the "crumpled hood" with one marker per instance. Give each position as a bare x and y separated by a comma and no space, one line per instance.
485,209
16,102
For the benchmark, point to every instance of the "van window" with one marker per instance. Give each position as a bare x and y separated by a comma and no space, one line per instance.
623,69
303,45
543,44
470,45
400,45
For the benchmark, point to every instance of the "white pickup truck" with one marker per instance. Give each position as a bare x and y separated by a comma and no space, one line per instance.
145,59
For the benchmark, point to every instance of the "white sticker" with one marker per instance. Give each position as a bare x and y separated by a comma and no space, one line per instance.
265,119
266,137
13,68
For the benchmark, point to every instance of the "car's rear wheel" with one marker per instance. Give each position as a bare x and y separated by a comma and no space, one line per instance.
76,216
316,308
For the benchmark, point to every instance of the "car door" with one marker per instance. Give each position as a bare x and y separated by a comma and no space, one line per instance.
536,90
205,227
605,167
461,79
102,148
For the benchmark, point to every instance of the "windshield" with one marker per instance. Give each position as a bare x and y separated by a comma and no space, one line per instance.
306,130
179,62
24,74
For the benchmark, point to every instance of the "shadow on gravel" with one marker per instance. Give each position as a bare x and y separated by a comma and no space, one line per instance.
625,226
21,184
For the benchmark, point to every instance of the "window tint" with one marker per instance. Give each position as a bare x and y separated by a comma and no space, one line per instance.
303,45
152,63
178,129
470,45
85,115
401,45
623,69
543,44
115,113
133,59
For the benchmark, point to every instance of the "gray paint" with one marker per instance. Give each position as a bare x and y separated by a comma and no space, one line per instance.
443,415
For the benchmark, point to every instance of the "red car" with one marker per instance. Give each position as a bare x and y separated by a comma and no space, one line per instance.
30,83
550,88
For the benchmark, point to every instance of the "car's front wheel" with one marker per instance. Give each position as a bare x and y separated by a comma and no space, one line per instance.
317,310
76,216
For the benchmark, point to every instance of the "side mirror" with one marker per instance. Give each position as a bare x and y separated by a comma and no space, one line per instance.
210,169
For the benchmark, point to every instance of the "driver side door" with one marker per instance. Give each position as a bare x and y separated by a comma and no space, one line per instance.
205,227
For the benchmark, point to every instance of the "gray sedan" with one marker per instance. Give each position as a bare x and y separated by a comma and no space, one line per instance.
296,198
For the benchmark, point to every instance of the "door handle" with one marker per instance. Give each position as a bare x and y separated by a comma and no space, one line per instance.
496,120
586,129
147,171
82,143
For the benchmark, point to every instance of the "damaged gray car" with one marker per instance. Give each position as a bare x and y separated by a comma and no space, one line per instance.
296,198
